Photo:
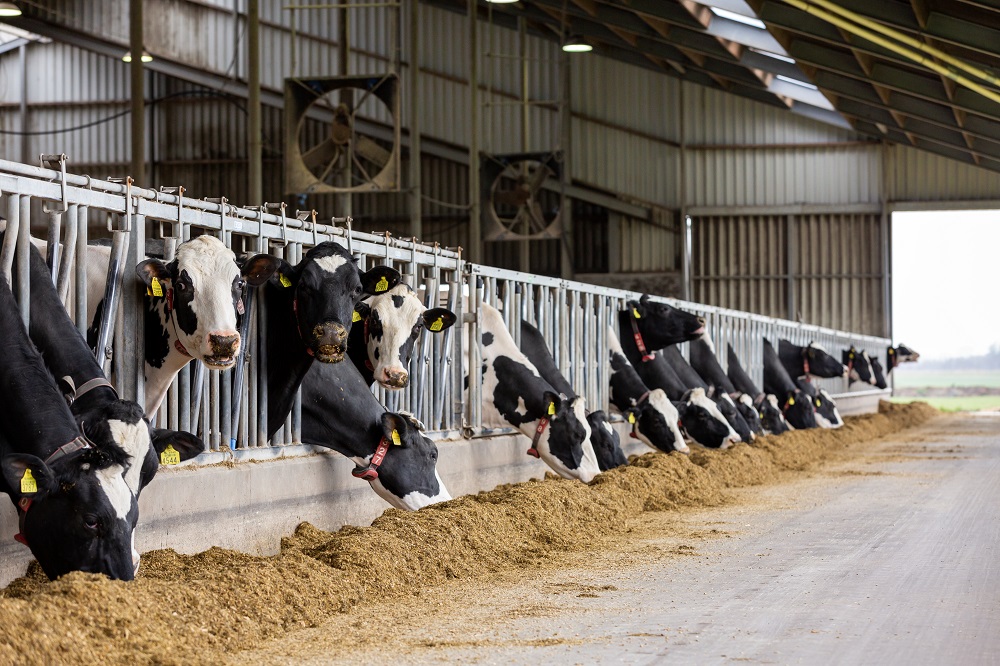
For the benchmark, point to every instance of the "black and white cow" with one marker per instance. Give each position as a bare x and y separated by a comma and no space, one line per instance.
827,414
771,417
859,367
893,357
309,310
382,339
809,360
340,412
75,509
653,417
705,363
878,374
692,380
514,392
604,438
798,409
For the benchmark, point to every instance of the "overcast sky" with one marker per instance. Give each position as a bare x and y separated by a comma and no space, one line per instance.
946,282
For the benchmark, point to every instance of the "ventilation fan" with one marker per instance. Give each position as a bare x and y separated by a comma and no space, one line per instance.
339,156
521,196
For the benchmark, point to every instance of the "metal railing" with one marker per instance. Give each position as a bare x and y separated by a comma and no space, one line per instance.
227,407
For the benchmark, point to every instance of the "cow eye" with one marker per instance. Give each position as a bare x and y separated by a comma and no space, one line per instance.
240,284
90,522
357,290
181,286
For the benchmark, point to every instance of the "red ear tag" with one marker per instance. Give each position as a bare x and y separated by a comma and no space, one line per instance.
239,307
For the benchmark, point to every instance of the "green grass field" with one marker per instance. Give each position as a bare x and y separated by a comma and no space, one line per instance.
971,403
906,378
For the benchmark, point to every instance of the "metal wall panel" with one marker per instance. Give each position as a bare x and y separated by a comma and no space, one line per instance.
916,175
832,263
647,247
625,95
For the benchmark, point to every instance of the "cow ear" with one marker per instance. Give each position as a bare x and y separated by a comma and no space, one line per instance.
284,274
644,300
151,269
394,428
28,477
185,444
438,319
259,268
553,402
363,309
379,279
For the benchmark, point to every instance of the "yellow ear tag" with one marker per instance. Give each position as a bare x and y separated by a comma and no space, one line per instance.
28,483
552,409
635,312
285,282
818,403
170,456
381,285
156,288
851,355
356,316
631,417
791,401
395,438
437,325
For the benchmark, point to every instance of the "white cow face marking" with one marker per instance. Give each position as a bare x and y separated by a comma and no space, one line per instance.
331,263
659,401
394,323
134,439
698,397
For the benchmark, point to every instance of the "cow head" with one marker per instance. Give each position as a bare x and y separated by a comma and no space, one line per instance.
393,320
879,374
901,354
605,441
799,410
661,324
77,513
407,477
656,421
858,365
821,363
827,415
745,406
199,292
771,416
327,286
702,420
565,445
733,417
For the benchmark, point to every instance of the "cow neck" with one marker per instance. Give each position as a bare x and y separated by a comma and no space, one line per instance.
168,308
893,358
288,359
539,429
370,472
630,343
339,411
805,363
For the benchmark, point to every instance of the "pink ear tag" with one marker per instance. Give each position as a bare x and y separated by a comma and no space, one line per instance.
239,307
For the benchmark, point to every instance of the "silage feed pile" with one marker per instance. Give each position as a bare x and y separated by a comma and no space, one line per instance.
185,608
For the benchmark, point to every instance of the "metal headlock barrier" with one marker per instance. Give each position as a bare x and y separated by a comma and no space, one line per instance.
227,408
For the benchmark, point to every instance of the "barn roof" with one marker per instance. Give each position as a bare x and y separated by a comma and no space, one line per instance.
921,73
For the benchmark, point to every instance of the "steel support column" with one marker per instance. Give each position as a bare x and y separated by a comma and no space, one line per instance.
255,187
415,171
475,223
138,102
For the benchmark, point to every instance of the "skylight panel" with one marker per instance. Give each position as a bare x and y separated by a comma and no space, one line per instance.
739,18
788,79
770,54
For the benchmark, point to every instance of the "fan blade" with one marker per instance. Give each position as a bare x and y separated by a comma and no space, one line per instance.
536,217
320,155
371,151
515,197
541,173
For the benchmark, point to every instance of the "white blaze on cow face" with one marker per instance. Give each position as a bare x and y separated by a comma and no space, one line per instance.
398,312
659,401
134,439
331,263
588,468
112,482
211,269
698,397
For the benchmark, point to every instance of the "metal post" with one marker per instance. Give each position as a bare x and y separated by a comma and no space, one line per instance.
524,246
138,101
475,223
416,173
22,54
10,240
565,137
344,201
69,255
23,257
791,259
80,286
255,169
134,303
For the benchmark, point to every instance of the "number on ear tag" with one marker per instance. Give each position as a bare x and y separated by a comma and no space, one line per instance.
28,483
395,437
437,325
156,288
170,456
356,317
552,409
635,313
285,282
381,285
240,309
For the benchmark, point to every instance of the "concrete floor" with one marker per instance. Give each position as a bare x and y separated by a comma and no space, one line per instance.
890,558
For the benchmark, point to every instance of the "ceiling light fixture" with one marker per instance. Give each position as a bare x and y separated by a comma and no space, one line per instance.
144,58
577,44
8,9
501,2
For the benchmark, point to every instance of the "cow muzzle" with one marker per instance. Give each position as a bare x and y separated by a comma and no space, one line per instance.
223,346
393,379
329,342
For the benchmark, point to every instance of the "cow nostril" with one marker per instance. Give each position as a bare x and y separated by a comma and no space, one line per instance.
701,320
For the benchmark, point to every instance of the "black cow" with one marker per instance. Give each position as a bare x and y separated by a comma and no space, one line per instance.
827,414
604,438
859,368
340,412
75,509
880,380
515,393
309,310
798,410
809,360
653,417
771,417
386,328
705,363
692,380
